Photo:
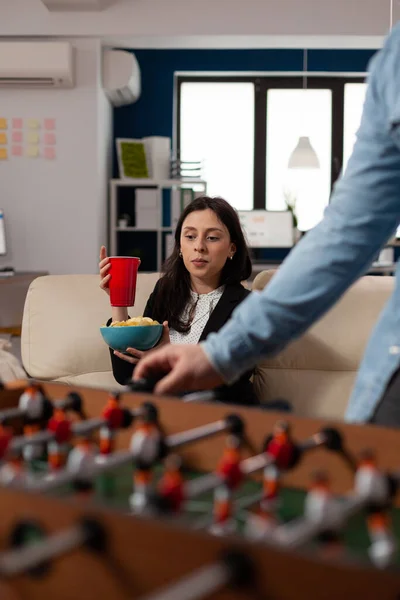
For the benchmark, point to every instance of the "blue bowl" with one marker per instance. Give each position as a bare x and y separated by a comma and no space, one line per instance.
141,337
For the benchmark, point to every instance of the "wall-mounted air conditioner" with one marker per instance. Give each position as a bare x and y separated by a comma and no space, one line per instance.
121,77
77,5
36,64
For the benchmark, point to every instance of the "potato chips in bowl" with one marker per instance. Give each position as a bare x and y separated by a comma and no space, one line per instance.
141,333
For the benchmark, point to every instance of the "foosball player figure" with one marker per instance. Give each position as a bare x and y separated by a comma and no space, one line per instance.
12,468
58,448
6,436
320,507
171,485
383,547
37,411
114,415
261,523
229,469
80,460
281,446
148,447
371,482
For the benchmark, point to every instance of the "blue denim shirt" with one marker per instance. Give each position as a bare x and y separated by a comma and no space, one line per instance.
363,214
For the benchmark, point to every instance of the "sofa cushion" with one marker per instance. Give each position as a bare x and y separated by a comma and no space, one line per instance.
316,372
60,328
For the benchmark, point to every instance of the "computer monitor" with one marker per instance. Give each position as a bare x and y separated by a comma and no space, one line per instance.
3,248
267,228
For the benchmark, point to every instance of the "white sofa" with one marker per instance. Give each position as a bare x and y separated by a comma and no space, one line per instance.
61,341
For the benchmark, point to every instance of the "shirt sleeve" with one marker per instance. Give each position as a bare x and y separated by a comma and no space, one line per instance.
363,214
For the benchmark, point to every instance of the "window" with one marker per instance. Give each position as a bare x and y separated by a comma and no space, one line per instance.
292,114
217,126
354,96
246,128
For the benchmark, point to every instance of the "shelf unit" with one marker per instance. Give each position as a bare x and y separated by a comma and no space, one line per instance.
115,231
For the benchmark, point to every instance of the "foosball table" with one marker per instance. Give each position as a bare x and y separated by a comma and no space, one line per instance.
135,496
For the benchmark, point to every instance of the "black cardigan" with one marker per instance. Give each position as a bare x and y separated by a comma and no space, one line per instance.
241,392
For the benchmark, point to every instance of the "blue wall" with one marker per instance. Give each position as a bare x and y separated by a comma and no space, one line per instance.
153,113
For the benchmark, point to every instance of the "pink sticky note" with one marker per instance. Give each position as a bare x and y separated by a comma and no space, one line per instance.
16,136
16,150
50,138
49,124
17,123
50,153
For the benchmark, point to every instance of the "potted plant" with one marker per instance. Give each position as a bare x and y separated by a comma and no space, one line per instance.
290,201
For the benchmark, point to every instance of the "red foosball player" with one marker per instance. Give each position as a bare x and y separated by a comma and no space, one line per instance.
114,415
271,487
58,448
281,446
5,439
147,444
229,468
171,485
32,402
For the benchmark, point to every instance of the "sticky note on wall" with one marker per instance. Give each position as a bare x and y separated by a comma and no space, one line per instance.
16,150
3,123
49,124
3,138
16,136
33,137
17,123
50,153
3,154
33,151
33,124
50,138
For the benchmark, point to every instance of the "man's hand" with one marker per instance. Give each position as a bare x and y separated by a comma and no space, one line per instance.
187,368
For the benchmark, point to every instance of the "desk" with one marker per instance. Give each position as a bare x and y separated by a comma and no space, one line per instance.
13,290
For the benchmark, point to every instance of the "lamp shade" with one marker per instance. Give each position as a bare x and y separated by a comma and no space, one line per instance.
304,155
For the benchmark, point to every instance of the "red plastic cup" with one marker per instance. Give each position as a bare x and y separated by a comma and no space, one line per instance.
122,284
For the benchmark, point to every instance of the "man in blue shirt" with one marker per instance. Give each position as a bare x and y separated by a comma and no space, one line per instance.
363,214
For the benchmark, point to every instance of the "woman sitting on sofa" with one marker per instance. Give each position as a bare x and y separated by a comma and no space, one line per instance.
200,286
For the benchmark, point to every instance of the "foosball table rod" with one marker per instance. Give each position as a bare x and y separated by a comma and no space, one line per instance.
104,463
234,570
88,534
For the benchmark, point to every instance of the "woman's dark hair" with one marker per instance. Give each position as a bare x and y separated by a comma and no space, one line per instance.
173,293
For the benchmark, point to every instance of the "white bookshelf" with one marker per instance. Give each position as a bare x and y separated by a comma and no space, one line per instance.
159,185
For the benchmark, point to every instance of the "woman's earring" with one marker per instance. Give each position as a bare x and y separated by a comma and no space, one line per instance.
180,254
231,257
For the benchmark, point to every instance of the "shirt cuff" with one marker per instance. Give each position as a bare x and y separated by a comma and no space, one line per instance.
229,353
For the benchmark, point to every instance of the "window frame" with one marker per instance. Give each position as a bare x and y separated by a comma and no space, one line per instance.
262,83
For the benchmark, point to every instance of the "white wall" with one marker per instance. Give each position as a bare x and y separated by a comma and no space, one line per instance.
55,210
208,17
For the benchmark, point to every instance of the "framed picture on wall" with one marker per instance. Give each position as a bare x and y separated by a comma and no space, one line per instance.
132,159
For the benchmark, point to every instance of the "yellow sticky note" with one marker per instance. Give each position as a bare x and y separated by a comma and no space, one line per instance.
33,151
3,123
3,154
3,138
33,137
33,124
